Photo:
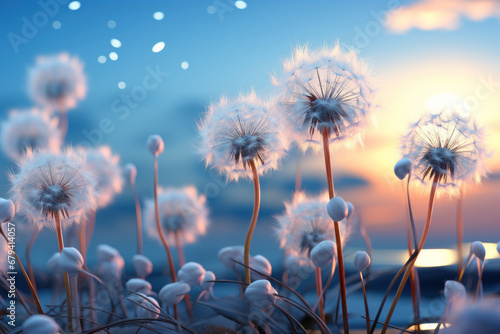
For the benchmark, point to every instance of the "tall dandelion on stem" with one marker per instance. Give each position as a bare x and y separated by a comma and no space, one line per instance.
54,189
448,151
327,98
156,146
243,137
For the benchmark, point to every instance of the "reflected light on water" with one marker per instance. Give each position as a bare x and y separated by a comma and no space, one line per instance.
436,258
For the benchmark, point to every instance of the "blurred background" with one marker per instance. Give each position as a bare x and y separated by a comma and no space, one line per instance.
192,52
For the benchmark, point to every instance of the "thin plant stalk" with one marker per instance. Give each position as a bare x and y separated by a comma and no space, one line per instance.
26,277
253,222
409,269
29,246
76,302
138,217
298,173
460,229
182,262
83,250
319,291
340,256
367,311
480,270
60,244
63,121
462,272
160,232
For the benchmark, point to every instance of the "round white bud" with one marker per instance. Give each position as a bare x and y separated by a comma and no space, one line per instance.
454,290
323,253
402,168
227,254
207,280
260,263
7,210
261,294
337,209
41,324
130,173
155,145
142,265
192,273
477,248
173,293
138,285
148,308
361,260
71,261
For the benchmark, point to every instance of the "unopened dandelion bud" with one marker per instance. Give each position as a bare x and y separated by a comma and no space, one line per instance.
138,285
71,261
350,210
142,265
402,168
130,173
106,253
229,254
208,280
323,253
477,248
337,209
7,210
173,293
155,145
261,264
454,290
361,260
261,294
148,308
41,324
192,273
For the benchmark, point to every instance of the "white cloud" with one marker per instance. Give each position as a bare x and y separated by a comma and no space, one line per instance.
441,14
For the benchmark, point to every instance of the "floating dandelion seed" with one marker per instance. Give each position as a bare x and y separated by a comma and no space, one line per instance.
57,82
447,147
183,215
107,172
29,129
235,132
325,91
53,183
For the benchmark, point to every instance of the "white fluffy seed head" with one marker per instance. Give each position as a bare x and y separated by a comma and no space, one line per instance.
138,285
454,290
227,254
32,129
323,253
361,260
71,261
236,132
402,168
130,173
325,89
261,294
40,324
173,293
477,248
192,273
155,145
208,280
7,210
183,215
107,172
57,82
337,209
148,308
52,183
142,265
260,263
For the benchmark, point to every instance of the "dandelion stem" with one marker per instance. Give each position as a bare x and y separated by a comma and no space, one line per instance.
63,122
298,173
462,272
74,293
409,269
160,232
29,246
182,261
138,217
338,239
460,230
319,291
253,222
367,311
60,243
28,281
480,269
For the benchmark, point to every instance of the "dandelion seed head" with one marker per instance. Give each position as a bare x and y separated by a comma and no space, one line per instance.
108,173
182,211
237,131
53,183
305,223
327,89
33,129
447,147
57,82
